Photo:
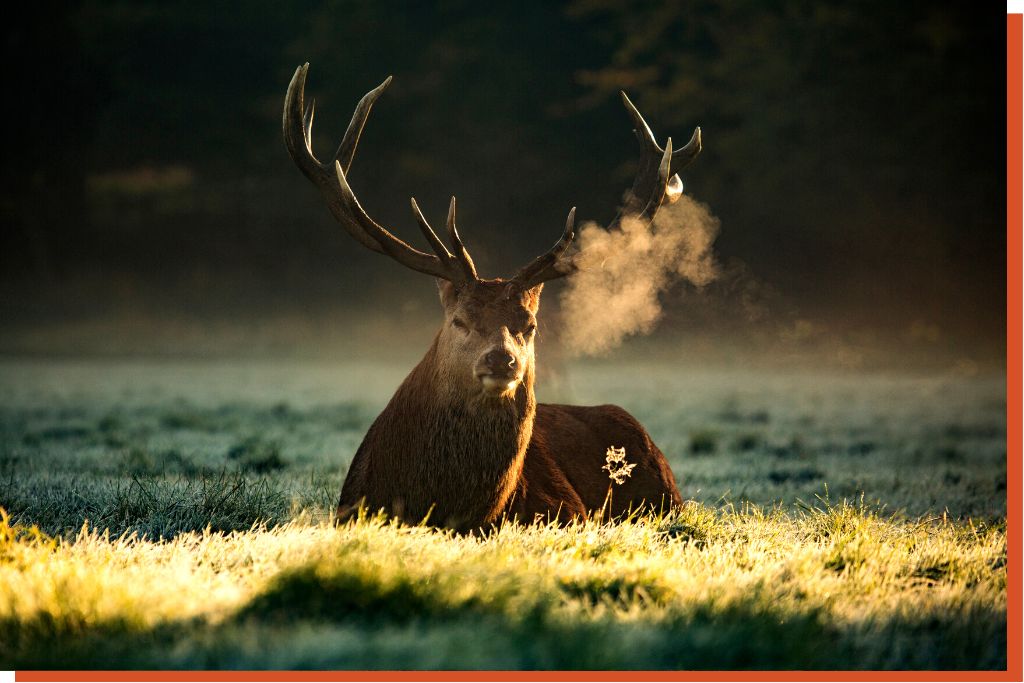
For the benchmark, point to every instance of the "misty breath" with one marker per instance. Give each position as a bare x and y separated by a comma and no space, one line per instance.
622,272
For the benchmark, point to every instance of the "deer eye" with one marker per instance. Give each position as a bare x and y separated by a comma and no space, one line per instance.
459,324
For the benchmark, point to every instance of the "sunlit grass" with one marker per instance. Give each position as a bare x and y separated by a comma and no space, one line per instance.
827,586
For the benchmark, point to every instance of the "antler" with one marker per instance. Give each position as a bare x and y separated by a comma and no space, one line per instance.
332,180
550,266
652,188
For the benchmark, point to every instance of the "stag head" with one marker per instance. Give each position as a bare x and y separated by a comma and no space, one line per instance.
487,341
486,344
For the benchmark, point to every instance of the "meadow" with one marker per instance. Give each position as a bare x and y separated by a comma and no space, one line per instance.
177,514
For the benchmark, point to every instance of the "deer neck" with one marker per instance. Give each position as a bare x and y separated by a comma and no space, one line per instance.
469,448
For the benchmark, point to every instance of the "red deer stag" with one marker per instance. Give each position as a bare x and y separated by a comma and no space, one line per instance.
463,441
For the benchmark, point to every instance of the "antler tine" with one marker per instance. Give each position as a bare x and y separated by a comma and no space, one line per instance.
643,132
391,245
347,149
331,179
465,262
307,125
435,242
685,155
296,125
549,266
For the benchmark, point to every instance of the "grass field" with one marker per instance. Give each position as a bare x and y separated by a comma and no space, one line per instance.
176,514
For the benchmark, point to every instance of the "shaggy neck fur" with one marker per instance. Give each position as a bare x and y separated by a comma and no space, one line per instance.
441,450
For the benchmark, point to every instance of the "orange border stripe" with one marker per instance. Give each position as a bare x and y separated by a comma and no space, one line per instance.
513,676
1014,226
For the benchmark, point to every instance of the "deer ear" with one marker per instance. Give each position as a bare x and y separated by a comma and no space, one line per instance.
532,297
448,292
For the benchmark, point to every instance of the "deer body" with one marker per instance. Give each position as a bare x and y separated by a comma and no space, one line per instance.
468,463
463,441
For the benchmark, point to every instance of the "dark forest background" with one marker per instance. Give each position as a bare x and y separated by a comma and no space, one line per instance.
854,153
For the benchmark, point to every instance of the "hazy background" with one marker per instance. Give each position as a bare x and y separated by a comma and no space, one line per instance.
854,158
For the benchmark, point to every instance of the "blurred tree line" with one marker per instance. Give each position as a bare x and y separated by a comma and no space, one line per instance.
853,151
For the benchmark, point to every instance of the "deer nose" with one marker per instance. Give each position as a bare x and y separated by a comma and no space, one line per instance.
500,361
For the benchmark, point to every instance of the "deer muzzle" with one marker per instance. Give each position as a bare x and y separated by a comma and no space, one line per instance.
498,371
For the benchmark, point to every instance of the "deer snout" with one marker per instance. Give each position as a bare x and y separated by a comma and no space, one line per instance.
499,362
498,371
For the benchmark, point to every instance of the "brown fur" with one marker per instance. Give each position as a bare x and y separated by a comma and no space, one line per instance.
446,450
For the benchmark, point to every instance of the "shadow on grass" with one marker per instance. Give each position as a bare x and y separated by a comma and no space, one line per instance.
312,617
153,506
